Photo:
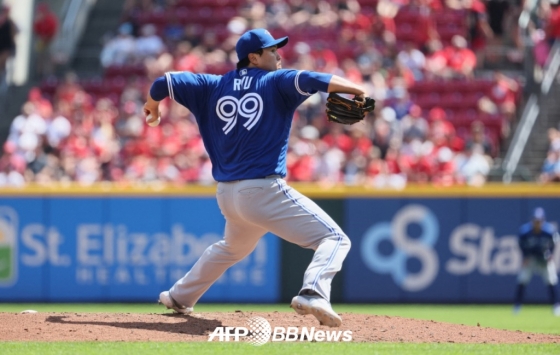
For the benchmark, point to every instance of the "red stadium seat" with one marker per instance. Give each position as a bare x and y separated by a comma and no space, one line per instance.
49,85
367,3
112,71
406,15
185,15
426,86
446,33
116,85
223,14
429,100
94,86
205,15
482,86
449,16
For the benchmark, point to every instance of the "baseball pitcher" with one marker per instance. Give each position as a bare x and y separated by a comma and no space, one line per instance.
244,118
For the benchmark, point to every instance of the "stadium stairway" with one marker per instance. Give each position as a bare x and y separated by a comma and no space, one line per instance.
13,97
11,102
537,145
104,17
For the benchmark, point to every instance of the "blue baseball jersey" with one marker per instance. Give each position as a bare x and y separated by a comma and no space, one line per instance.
539,245
244,117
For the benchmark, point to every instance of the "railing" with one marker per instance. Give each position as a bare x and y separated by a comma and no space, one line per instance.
530,115
552,65
74,14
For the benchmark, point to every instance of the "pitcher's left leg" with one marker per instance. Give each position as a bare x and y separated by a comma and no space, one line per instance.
297,219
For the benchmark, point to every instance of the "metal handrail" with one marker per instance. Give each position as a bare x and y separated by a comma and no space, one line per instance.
76,12
528,118
552,65
530,115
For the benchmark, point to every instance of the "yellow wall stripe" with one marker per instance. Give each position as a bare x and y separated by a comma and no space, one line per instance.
308,189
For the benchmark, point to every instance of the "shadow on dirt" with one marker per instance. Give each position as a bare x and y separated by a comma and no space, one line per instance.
191,325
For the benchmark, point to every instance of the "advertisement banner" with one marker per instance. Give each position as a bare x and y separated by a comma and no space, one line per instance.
105,249
439,249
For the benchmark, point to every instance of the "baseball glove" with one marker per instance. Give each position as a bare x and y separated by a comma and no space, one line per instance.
348,111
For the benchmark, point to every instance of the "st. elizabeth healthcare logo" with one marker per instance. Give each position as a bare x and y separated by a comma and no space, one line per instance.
259,332
8,246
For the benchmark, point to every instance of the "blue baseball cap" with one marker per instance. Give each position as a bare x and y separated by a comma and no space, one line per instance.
253,40
539,214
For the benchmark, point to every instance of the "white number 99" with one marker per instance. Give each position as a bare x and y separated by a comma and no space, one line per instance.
249,106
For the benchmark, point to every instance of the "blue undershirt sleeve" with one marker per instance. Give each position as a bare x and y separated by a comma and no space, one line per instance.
159,89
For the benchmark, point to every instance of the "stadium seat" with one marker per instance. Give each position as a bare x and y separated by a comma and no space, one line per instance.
49,85
426,86
112,71
482,86
115,85
186,15
94,86
364,3
223,14
429,100
205,15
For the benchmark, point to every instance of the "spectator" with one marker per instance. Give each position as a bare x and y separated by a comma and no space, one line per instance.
26,131
8,31
460,59
439,124
45,27
477,22
478,137
413,59
550,171
385,130
59,128
121,49
504,94
425,29
414,126
552,25
497,12
384,21
12,167
444,168
303,161
436,61
554,139
473,166
149,44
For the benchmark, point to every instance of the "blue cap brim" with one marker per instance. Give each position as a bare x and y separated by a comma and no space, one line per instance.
279,43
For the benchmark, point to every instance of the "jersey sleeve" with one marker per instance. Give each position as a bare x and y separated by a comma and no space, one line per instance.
189,89
296,86
522,239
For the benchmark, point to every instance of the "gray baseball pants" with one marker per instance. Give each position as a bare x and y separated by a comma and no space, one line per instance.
252,208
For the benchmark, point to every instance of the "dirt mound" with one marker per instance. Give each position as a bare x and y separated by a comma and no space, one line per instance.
169,327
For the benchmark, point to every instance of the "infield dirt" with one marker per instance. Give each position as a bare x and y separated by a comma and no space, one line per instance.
196,327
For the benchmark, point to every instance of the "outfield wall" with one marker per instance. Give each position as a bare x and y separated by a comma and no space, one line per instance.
108,243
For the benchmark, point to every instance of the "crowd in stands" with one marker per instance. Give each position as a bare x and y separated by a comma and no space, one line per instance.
543,18
551,166
436,122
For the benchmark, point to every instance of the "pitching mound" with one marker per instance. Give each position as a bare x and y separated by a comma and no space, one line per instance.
169,327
